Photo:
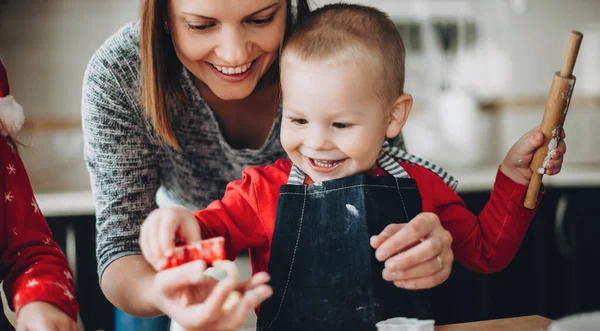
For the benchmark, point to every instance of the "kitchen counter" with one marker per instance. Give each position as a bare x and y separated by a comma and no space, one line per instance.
482,179
524,323
77,203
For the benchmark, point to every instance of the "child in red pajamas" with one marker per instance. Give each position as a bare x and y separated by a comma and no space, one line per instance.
36,277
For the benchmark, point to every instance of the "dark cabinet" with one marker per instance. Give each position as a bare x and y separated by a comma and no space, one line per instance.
553,274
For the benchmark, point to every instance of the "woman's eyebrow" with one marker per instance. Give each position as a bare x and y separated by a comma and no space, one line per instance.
254,13
265,8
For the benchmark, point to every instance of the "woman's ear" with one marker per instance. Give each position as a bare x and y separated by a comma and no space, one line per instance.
398,115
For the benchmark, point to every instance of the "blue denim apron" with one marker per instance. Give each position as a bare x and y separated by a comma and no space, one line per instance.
323,270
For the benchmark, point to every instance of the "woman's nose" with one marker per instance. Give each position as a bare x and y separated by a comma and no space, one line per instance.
233,47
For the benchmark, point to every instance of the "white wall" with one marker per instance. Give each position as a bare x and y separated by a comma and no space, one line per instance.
45,46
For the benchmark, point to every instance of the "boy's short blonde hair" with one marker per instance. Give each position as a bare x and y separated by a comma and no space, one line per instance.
341,33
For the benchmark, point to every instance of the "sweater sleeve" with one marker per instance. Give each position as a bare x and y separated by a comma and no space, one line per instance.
33,267
236,216
489,241
120,155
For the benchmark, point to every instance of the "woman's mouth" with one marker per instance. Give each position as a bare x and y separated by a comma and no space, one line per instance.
324,166
233,74
233,70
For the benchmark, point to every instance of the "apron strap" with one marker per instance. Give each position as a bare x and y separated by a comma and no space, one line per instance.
388,160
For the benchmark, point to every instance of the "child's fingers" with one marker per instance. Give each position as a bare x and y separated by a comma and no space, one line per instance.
553,167
189,230
167,228
172,220
528,134
145,239
529,143
560,150
152,226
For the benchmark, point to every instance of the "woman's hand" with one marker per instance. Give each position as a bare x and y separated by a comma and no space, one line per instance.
195,300
40,315
185,293
417,255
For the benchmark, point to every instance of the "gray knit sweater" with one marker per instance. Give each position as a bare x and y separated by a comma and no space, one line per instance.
126,164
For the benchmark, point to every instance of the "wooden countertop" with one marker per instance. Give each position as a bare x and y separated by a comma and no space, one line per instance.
524,323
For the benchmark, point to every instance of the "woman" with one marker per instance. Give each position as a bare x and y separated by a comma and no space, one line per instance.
175,107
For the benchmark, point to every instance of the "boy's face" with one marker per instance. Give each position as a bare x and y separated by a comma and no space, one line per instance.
333,124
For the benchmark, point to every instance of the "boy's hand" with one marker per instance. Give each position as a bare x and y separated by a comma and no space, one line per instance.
40,315
417,254
517,160
161,228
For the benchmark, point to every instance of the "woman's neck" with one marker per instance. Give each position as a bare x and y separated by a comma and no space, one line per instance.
245,123
263,96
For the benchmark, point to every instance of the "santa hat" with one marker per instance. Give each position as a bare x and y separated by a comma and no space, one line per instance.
11,113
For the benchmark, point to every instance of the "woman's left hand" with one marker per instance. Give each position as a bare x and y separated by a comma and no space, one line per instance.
417,255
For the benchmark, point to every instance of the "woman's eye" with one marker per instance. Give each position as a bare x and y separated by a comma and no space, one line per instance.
299,121
261,21
201,27
341,125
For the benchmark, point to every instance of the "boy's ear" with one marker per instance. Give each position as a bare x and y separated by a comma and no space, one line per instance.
398,115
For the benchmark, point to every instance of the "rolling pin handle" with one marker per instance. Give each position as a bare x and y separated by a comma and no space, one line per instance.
572,50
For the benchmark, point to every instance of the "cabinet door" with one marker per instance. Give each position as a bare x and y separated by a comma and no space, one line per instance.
551,275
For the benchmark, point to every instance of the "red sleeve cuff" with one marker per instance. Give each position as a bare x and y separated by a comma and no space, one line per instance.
509,188
47,291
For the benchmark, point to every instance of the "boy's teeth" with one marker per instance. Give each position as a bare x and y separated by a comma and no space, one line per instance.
324,163
233,70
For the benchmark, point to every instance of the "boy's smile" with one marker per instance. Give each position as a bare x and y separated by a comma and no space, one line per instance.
325,166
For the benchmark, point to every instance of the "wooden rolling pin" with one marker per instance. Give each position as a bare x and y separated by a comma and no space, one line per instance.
555,113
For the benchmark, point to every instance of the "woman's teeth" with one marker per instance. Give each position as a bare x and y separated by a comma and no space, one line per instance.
324,163
233,70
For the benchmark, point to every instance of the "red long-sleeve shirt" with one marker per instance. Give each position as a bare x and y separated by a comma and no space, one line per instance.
484,243
32,266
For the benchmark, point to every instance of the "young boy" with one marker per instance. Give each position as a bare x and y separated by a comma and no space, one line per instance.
312,221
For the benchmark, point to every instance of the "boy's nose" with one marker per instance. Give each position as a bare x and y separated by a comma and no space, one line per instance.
317,141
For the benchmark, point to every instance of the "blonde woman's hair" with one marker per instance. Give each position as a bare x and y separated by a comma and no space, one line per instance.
160,67
341,33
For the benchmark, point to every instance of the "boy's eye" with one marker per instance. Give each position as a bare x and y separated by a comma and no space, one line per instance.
261,21
341,125
299,121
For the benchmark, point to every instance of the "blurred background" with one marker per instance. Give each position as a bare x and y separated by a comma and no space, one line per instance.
480,72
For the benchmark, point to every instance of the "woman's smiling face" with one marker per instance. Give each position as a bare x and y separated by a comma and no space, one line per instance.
228,45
